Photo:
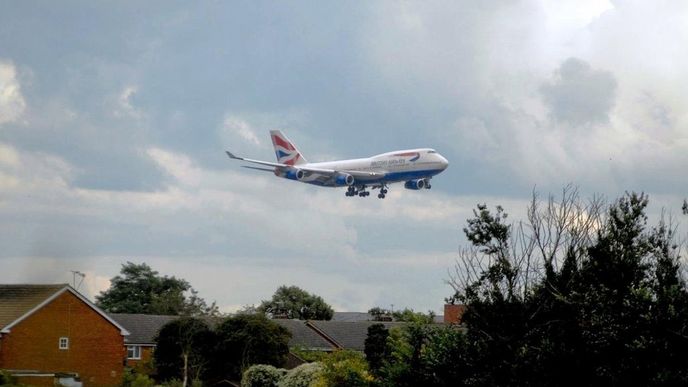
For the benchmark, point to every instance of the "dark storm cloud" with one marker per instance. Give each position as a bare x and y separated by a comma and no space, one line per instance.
579,94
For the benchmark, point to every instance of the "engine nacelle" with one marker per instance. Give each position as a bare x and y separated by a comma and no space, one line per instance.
344,179
415,184
295,174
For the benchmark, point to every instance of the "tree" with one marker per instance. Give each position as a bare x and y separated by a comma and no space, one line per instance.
581,293
295,303
408,315
380,314
140,289
247,339
403,365
404,315
183,350
376,346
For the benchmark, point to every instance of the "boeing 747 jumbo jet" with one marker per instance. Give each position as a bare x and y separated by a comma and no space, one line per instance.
415,167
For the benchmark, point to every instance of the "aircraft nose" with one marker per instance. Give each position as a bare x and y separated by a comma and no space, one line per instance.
444,162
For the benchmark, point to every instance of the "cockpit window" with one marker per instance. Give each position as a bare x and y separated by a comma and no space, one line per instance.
432,151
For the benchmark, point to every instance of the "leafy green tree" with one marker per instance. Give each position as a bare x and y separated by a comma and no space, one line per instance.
408,315
344,369
404,365
580,294
445,358
140,289
248,339
261,375
376,346
380,314
295,303
184,349
403,315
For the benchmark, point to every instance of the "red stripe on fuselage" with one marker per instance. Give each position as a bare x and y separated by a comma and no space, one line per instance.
278,141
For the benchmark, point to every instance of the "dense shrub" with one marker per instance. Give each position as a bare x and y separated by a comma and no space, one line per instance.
6,379
344,369
304,375
262,375
131,378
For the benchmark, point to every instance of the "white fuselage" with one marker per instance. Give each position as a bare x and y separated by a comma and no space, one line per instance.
390,167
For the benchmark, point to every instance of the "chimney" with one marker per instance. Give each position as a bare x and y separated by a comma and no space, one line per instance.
453,313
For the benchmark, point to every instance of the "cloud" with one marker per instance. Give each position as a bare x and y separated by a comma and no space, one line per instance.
109,154
580,95
241,128
124,105
12,103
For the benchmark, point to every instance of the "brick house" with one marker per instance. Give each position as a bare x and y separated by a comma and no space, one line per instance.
142,331
49,331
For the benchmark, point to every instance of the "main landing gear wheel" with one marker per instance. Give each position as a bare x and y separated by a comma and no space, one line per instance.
383,192
353,191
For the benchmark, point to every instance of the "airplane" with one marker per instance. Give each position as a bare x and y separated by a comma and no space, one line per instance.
414,167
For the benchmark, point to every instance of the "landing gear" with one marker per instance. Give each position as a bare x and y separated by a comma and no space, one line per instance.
357,191
362,192
383,192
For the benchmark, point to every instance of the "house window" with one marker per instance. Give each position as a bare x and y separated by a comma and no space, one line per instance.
134,352
64,343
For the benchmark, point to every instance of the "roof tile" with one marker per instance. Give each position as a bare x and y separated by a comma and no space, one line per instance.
17,300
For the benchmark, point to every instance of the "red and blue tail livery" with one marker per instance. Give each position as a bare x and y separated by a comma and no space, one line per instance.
413,167
285,151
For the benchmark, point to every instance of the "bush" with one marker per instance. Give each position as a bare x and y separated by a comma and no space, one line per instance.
179,383
262,375
344,369
131,378
304,375
6,379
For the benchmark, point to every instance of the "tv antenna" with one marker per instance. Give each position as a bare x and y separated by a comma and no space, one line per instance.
77,273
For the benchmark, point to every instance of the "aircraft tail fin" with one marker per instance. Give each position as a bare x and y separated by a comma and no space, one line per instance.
285,150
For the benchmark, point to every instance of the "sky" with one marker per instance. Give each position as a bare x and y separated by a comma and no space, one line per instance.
114,118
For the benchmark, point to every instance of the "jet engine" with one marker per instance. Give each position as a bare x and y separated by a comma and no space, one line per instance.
295,174
415,184
344,179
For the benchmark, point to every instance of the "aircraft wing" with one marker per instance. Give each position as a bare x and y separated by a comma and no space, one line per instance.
318,171
276,165
332,172
329,175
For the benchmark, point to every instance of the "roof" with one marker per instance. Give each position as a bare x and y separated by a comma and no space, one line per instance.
303,336
142,327
352,316
17,302
349,334
363,316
